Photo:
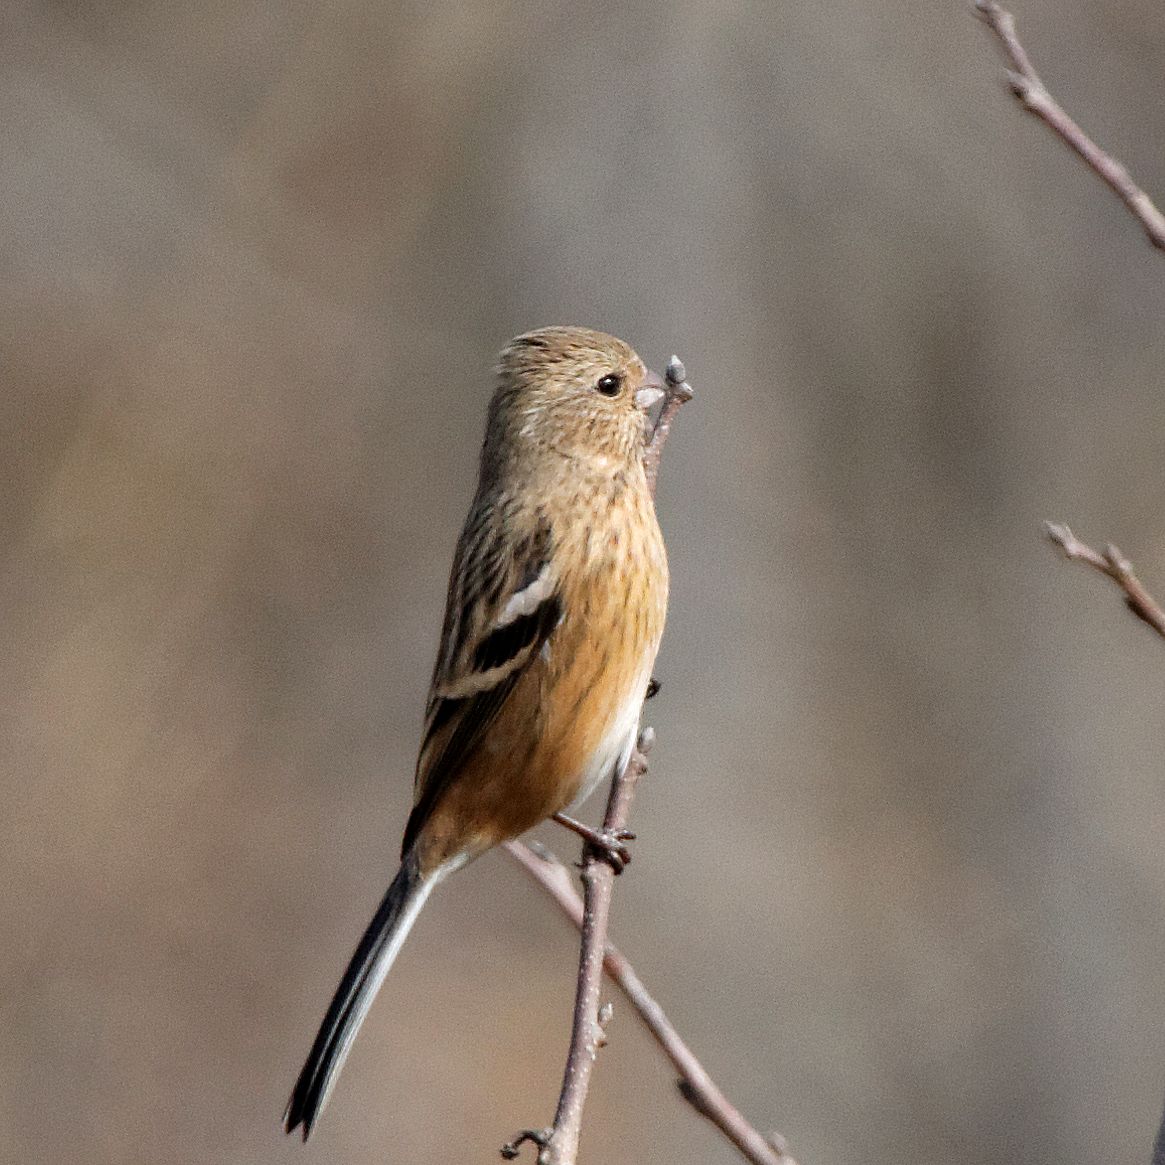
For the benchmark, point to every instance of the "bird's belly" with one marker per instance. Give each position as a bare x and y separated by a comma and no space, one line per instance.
612,753
585,729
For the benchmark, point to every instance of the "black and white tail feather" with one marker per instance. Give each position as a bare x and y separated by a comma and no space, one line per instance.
501,609
370,963
486,646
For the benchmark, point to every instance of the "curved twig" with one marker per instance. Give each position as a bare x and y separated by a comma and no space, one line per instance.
1033,95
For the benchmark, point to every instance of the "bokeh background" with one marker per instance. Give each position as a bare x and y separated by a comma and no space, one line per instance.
900,876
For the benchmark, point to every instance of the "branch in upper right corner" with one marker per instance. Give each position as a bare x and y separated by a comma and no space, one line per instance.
1034,96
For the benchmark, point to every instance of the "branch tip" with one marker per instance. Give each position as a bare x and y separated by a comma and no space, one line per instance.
778,1142
1118,561
1062,536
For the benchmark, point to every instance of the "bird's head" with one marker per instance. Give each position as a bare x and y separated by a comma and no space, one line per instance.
573,392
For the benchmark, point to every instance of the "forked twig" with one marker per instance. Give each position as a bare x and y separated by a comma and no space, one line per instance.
1113,564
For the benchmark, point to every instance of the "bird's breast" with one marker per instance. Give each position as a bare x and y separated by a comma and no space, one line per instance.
599,660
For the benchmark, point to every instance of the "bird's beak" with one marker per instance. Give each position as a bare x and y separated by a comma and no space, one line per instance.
652,391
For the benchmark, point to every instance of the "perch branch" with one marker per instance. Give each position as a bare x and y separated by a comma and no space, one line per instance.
558,1145
677,391
1033,95
1113,564
695,1085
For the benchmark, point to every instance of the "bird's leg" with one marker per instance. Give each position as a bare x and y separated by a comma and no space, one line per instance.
610,845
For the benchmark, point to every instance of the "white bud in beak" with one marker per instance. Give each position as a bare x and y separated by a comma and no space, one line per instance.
651,393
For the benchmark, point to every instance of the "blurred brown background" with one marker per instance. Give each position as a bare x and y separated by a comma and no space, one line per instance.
900,876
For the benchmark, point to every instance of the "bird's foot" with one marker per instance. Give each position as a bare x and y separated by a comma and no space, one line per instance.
609,844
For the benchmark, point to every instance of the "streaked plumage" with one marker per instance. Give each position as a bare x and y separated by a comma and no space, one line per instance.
554,614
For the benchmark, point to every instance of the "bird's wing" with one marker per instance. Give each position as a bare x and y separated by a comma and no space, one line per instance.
503,605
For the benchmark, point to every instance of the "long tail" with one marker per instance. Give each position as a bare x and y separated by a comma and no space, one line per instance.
378,948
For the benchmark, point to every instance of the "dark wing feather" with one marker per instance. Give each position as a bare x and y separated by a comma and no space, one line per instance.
473,716
477,654
507,642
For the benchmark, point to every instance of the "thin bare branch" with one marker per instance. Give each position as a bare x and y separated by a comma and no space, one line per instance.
587,1035
677,392
558,1145
696,1086
1034,96
1113,564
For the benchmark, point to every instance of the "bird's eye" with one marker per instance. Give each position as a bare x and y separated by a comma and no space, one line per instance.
610,384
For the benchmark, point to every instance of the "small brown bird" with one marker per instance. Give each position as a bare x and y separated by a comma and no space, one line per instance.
554,615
